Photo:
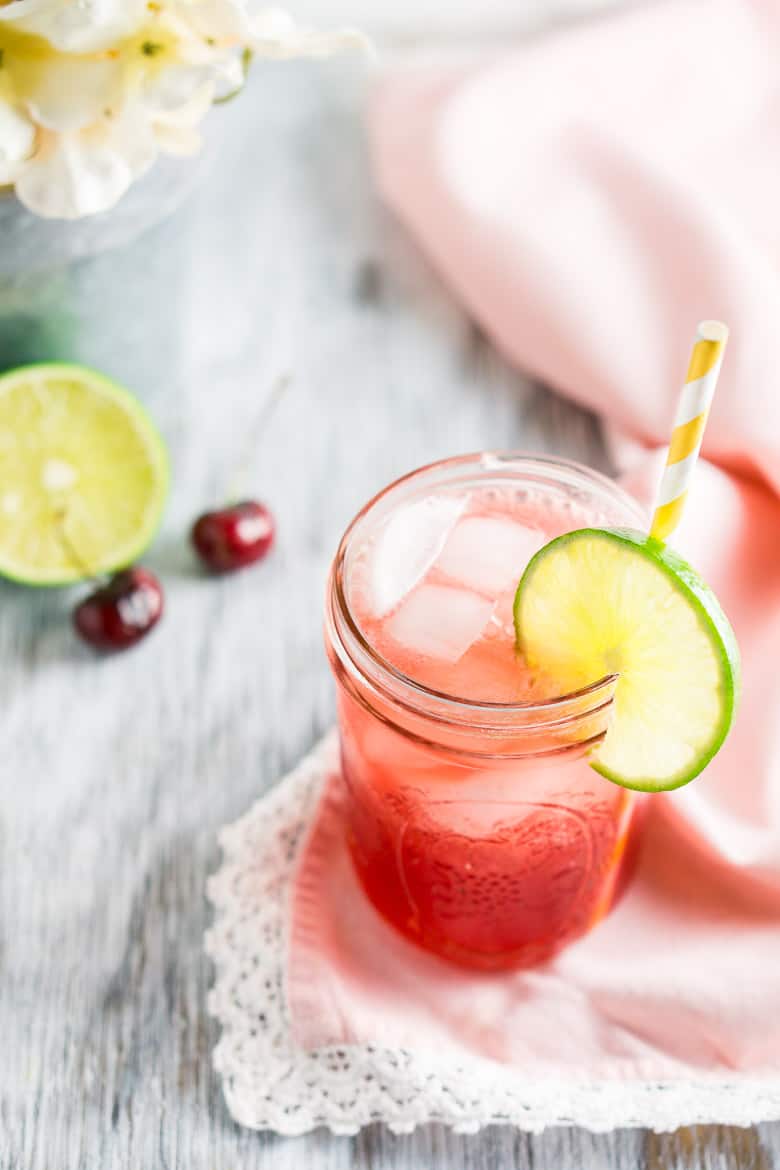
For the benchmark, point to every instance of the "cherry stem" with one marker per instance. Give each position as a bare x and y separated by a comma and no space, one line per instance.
239,478
60,518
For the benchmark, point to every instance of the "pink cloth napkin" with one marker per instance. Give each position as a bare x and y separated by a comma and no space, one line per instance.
590,197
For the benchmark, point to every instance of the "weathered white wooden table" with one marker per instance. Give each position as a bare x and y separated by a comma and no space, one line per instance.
116,774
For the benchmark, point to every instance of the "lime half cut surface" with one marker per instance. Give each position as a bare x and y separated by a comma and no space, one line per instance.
83,475
597,602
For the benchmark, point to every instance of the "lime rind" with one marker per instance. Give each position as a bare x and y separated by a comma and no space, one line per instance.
710,619
155,451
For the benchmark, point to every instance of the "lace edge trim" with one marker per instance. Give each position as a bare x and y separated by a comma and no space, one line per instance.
260,1091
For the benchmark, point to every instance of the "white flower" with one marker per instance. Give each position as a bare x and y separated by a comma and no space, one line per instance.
119,81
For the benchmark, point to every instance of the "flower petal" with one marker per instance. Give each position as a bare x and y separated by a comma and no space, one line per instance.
17,141
224,21
268,30
78,174
275,34
132,136
67,93
77,27
181,141
181,88
174,118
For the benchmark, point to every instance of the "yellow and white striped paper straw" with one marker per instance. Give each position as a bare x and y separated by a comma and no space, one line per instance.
692,411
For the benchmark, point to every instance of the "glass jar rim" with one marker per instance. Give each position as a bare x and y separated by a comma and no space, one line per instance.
374,668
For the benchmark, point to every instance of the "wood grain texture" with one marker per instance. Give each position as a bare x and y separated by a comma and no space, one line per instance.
116,774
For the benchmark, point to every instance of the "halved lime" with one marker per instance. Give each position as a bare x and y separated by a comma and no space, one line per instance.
83,475
597,602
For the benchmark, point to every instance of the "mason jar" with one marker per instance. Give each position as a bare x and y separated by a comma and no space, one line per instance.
477,827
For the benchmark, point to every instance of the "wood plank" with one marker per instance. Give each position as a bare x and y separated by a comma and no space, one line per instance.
712,1147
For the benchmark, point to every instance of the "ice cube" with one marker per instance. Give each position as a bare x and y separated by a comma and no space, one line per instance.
408,545
440,622
488,553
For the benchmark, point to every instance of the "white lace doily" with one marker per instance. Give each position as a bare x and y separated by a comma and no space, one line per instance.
270,1083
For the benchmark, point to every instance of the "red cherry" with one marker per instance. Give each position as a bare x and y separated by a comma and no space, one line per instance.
120,613
234,537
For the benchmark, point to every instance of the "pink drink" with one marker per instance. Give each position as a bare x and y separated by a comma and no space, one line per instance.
475,823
